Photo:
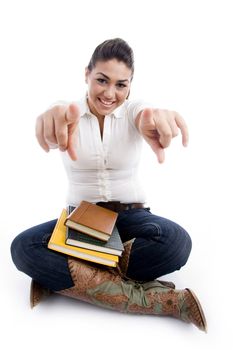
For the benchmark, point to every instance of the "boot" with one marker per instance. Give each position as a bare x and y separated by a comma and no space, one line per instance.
38,293
106,288
111,288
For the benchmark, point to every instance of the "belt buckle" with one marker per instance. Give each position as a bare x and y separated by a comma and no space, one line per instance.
126,206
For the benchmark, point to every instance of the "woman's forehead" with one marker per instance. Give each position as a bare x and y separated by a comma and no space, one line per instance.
113,69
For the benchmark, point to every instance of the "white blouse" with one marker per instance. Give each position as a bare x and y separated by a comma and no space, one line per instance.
106,168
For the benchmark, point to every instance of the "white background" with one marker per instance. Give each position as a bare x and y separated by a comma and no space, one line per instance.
183,62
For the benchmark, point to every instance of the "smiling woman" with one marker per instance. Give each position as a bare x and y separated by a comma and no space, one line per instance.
102,134
109,75
108,86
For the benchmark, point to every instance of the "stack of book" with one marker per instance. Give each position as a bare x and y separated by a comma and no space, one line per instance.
88,232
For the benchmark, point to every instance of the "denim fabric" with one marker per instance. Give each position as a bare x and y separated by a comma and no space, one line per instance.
30,254
161,246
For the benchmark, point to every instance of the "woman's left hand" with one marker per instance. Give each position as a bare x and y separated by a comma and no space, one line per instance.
158,127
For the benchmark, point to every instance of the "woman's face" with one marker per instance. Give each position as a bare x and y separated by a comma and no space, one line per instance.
108,86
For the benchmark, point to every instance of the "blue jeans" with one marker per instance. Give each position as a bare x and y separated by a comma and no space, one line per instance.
160,247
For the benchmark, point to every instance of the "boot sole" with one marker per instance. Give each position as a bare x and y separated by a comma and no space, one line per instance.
203,319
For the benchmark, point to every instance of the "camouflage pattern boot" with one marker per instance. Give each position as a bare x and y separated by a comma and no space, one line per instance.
111,288
106,288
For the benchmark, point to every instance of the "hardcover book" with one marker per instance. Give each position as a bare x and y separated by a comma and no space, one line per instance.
57,243
93,220
76,238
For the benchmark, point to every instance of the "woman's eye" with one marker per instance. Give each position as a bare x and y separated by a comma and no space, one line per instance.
101,81
121,86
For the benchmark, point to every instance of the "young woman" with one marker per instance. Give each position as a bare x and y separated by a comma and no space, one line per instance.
101,137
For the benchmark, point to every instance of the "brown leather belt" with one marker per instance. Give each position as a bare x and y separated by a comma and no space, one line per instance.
118,206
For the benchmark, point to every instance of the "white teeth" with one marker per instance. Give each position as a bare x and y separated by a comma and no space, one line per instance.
106,103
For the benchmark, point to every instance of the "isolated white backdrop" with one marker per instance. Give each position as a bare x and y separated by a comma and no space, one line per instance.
183,53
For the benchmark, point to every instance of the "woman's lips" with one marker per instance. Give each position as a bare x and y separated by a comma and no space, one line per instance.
106,103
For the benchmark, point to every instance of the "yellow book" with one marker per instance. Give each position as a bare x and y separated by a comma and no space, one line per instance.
57,242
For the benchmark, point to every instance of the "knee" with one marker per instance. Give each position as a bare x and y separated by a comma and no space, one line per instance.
19,248
16,250
183,248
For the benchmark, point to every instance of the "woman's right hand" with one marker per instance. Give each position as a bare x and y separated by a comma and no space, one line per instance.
57,128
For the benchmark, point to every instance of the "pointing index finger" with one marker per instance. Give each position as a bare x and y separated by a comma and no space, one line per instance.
72,114
183,128
40,134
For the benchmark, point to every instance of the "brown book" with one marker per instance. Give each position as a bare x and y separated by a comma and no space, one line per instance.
57,242
93,220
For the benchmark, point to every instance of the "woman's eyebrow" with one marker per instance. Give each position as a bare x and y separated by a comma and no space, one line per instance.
106,77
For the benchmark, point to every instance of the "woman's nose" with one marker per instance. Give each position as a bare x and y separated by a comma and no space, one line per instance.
109,92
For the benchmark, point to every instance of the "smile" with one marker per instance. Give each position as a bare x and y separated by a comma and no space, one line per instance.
106,103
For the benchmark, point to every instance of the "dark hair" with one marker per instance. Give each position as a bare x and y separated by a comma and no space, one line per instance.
114,48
